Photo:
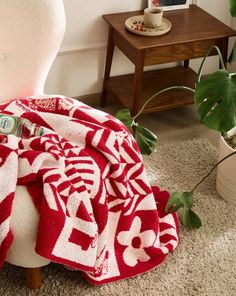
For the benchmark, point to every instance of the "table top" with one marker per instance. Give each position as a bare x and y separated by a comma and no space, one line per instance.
188,25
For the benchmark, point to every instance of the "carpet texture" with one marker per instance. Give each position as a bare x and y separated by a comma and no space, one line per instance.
203,264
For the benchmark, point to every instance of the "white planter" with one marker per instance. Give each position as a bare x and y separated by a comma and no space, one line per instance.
226,172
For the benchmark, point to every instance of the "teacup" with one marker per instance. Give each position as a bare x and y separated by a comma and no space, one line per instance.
153,17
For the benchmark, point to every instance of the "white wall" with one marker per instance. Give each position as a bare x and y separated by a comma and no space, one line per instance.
78,68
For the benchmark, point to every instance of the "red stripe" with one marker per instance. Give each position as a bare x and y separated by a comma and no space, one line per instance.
5,246
6,207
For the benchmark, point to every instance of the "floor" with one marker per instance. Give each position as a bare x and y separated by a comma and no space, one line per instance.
170,125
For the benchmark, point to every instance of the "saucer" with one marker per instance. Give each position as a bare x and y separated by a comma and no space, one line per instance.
135,24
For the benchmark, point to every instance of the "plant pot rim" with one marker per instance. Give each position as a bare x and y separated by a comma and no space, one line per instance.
232,131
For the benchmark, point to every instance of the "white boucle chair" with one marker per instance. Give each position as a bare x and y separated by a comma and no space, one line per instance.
30,36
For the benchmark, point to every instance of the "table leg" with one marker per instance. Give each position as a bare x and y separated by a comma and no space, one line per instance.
109,56
137,86
186,63
224,50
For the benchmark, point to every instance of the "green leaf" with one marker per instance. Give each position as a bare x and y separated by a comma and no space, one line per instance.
190,219
146,140
195,220
188,199
178,200
233,7
175,201
183,200
185,218
215,99
125,117
147,133
232,57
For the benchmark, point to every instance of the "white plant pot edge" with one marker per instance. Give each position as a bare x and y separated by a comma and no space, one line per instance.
226,172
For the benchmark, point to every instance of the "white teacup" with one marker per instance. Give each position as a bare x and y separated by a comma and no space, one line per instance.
153,17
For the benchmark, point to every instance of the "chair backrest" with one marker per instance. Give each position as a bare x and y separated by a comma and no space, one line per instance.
31,32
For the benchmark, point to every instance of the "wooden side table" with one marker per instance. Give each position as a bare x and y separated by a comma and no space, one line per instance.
193,32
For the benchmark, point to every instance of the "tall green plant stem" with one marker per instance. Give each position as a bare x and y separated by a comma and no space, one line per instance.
159,93
203,179
199,74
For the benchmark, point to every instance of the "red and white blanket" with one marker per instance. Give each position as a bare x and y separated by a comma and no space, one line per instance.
86,177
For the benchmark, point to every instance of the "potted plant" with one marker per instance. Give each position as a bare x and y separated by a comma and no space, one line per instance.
215,101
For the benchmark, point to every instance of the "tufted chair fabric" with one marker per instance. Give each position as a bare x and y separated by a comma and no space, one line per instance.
30,36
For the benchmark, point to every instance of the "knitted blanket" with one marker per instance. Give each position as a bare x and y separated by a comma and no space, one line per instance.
87,180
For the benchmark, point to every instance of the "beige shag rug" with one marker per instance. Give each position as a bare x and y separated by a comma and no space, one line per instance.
204,264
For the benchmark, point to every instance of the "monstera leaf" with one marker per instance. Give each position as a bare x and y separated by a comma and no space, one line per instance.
233,7
215,99
232,57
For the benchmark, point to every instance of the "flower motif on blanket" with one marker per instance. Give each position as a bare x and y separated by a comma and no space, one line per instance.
86,177
136,242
